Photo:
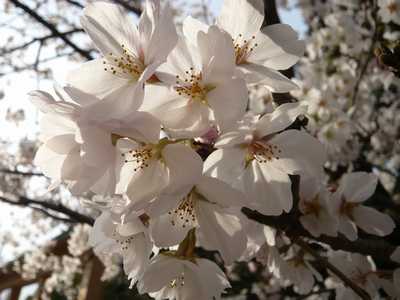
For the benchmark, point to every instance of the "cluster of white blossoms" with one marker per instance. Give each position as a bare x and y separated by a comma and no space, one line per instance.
160,124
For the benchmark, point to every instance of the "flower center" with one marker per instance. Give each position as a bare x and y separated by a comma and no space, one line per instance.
185,215
191,86
263,152
126,64
179,281
140,157
243,48
346,208
312,207
392,7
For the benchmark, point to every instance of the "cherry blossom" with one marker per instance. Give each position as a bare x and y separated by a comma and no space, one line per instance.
171,277
257,158
354,189
197,83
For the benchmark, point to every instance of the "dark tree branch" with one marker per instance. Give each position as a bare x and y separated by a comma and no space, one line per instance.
130,5
379,250
39,39
45,206
325,263
84,53
20,173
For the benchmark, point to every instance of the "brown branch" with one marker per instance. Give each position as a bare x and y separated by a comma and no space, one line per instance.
130,5
44,206
20,173
325,263
379,250
84,53
39,39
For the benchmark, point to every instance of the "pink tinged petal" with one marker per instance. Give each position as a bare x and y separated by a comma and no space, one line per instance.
159,273
281,118
119,103
278,47
348,228
107,179
358,186
233,94
217,55
180,60
163,37
125,169
131,227
140,126
136,256
165,203
396,255
309,188
147,182
234,138
272,79
221,231
251,17
97,148
168,231
300,153
181,116
49,162
62,144
216,285
91,78
53,125
226,164
42,100
268,189
220,193
372,221
191,27
184,165
47,104
72,164
109,26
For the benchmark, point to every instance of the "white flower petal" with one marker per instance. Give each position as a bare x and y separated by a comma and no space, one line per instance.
301,153
278,47
372,221
91,78
109,26
220,193
221,231
251,17
358,186
268,189
281,118
185,167
168,231
226,164
272,79
233,94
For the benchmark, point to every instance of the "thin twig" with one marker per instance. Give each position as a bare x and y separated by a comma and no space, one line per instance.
43,205
347,281
84,53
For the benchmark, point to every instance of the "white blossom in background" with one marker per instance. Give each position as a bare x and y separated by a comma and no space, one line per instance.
389,10
354,189
316,207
